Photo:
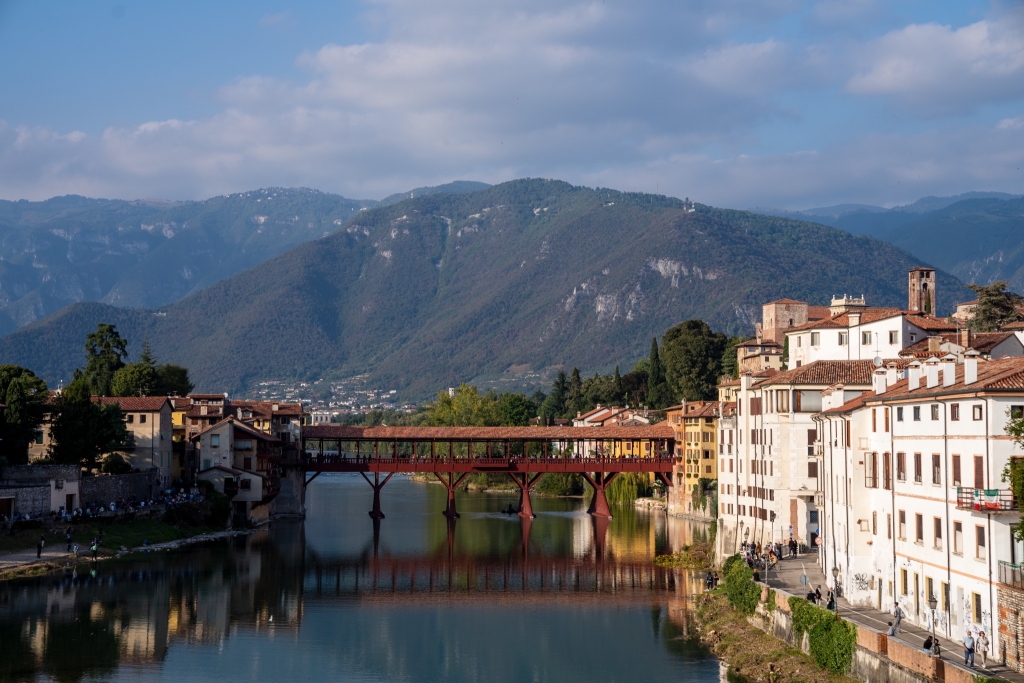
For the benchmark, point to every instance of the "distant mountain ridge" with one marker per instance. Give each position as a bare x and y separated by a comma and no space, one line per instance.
152,252
445,288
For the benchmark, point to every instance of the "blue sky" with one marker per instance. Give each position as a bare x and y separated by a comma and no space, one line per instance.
731,102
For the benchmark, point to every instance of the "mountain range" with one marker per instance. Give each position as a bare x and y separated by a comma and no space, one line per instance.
152,252
442,288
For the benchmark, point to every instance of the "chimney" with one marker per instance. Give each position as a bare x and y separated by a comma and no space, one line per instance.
854,318
970,367
879,381
949,370
931,373
934,344
913,376
892,375
964,338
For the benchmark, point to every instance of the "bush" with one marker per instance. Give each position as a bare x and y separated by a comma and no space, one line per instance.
729,562
832,640
740,588
114,463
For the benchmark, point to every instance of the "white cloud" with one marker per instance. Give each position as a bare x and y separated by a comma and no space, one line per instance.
939,70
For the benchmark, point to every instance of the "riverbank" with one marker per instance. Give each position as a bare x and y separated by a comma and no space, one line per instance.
119,539
749,651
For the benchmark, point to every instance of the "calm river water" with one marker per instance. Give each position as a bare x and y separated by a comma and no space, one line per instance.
419,601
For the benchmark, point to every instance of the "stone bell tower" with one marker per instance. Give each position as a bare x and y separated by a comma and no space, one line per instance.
921,290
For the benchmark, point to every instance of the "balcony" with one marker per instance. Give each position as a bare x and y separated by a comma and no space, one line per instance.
1011,575
986,500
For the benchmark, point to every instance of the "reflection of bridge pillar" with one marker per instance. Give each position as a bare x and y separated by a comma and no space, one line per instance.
377,485
599,503
600,525
525,483
525,524
451,484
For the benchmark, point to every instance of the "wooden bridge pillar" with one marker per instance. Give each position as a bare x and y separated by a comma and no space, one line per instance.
451,484
599,503
377,485
525,482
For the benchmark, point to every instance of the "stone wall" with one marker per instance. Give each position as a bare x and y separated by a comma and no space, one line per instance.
291,500
104,489
40,473
1011,627
28,499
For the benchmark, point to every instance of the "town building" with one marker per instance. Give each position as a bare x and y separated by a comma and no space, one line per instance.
695,424
755,356
150,432
242,463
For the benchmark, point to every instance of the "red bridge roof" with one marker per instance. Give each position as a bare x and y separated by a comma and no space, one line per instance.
658,431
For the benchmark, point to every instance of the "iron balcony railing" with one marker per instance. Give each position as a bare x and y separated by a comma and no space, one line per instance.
1011,574
985,500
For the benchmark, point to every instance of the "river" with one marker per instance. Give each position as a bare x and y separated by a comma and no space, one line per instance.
330,599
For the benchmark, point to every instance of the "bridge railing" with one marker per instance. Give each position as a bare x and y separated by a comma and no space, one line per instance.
315,458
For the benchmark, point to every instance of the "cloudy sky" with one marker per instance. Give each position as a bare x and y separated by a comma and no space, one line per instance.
735,103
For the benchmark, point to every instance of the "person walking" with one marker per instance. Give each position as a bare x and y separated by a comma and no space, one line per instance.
897,617
39,549
969,650
982,645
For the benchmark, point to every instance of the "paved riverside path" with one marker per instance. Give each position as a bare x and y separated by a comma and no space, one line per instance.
786,576
51,553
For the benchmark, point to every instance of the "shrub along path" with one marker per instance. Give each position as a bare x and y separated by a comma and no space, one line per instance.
787,577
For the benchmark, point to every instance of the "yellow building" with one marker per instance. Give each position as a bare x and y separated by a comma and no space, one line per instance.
695,424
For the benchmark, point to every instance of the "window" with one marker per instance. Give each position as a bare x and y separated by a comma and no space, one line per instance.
901,466
843,336
919,528
886,419
1016,412
903,582
865,338
246,463
913,337
38,437
917,468
874,420
142,419
812,470
874,523
976,412
894,337
245,484
976,607
945,596
979,472
206,463
815,338
214,440
954,412
903,525
979,542
871,470
243,445
917,413
129,418
887,471
888,526
935,411
958,538
936,469
899,414
937,532
956,470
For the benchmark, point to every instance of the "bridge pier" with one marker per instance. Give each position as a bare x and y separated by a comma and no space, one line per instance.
525,483
599,503
451,484
377,485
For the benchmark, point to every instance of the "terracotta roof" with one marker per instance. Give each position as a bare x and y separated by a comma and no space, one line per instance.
982,342
266,408
208,397
842,320
701,409
238,425
730,383
178,403
729,409
133,404
849,406
930,322
818,312
1005,374
754,342
662,430
825,372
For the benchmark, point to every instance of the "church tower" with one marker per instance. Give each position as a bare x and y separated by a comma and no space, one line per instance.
921,291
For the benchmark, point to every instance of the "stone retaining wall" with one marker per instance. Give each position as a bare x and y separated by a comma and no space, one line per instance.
104,489
28,499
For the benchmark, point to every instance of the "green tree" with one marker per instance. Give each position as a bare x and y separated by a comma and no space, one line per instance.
173,380
574,400
554,404
516,410
135,379
693,360
996,307
81,431
730,366
619,390
467,408
659,394
106,351
25,396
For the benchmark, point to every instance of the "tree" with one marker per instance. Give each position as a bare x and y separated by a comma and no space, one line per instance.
730,366
516,410
693,360
618,389
82,431
135,379
173,380
467,408
996,307
574,400
554,404
106,351
25,396
659,394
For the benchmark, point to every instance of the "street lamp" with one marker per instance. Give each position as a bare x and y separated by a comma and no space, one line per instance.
746,536
933,603
835,588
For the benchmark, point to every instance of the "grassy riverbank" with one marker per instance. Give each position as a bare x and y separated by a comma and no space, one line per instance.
129,534
749,651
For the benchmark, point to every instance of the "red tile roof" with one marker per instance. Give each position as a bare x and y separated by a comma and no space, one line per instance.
239,426
662,430
842,320
982,342
1005,374
134,404
825,373
930,322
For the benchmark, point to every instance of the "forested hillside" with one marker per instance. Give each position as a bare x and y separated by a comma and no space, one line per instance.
442,288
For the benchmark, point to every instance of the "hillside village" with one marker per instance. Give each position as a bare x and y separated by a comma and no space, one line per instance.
874,436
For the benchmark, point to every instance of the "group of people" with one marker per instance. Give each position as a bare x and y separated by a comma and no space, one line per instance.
814,595
972,645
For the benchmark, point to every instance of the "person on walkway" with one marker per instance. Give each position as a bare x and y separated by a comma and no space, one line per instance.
67,537
39,549
982,645
792,548
891,631
927,647
817,595
969,650
897,617
811,597
716,579
831,604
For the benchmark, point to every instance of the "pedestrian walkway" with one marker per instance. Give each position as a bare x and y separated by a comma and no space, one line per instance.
786,576
51,553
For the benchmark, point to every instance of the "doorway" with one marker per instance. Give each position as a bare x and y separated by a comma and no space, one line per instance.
69,502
